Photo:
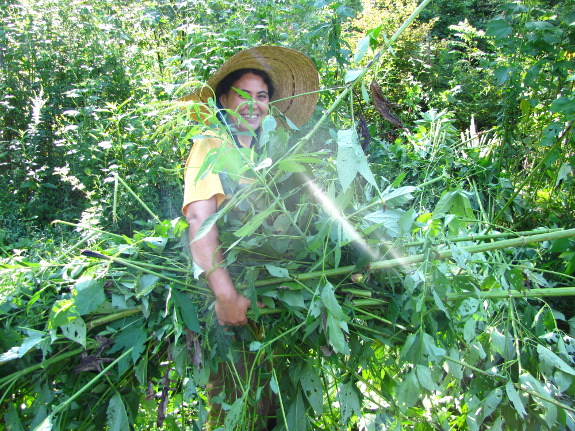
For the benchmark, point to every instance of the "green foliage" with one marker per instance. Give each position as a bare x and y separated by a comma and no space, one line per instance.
392,299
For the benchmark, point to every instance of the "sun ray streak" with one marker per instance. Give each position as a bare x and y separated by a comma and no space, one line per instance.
333,211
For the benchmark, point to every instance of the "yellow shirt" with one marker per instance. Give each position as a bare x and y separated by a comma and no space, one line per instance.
208,184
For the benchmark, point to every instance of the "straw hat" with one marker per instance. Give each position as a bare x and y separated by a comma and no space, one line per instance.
291,72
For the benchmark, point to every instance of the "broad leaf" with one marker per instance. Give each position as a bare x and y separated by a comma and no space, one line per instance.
187,309
89,295
514,397
551,359
350,159
349,403
75,330
312,388
117,417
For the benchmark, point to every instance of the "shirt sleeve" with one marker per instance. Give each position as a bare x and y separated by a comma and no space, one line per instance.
209,184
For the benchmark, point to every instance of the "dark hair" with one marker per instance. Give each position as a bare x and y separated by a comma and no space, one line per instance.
226,84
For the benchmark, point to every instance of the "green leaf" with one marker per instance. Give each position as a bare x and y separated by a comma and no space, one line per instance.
255,346
252,225
290,165
207,226
351,159
349,402
408,392
146,284
563,105
276,271
11,419
46,424
514,397
132,336
551,359
291,298
269,124
335,333
397,197
75,330
296,417
469,330
330,302
88,295
312,388
425,378
117,418
361,50
187,310
351,75
498,28
429,347
491,402
454,202
63,312
234,414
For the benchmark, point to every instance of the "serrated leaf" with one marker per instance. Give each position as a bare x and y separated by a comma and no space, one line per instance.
399,196
252,225
276,271
89,294
469,330
491,402
75,330
11,419
551,359
62,312
408,392
312,388
351,159
116,416
187,310
206,226
563,105
131,337
361,50
498,28
330,302
348,401
425,378
335,333
146,284
255,346
296,417
290,165
234,414
514,397
46,425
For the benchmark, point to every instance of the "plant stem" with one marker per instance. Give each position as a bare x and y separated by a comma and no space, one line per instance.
93,229
143,268
410,260
140,201
112,317
502,294
44,364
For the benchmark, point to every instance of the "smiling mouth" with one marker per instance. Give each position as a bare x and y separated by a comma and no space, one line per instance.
251,117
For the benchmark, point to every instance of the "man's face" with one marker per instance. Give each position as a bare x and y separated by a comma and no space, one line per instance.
252,112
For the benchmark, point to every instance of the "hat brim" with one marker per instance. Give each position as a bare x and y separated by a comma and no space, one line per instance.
292,73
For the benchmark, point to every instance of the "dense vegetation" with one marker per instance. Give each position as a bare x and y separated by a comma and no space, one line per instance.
413,244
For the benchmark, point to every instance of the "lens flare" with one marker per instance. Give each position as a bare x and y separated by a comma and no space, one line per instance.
333,211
